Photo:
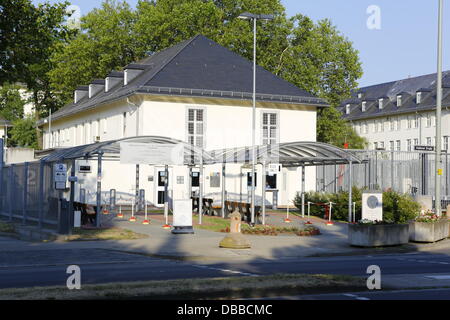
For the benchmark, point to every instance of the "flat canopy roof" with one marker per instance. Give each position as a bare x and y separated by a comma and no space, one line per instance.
192,154
290,154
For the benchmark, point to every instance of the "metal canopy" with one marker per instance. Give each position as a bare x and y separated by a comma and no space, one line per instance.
290,154
111,148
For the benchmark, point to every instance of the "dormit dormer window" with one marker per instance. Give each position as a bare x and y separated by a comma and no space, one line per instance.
363,106
347,109
399,100
381,103
418,97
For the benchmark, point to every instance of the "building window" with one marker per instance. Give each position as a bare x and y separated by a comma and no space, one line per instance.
399,101
375,145
429,143
124,124
391,145
398,145
428,120
347,109
416,142
380,103
382,145
409,123
409,145
416,122
365,128
363,106
195,127
269,128
418,97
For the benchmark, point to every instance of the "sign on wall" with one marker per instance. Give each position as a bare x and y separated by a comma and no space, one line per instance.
151,153
60,175
372,206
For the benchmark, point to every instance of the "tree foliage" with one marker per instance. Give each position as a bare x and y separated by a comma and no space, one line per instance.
23,133
30,35
11,102
314,56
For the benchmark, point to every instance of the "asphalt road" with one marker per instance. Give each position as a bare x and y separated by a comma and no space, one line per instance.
104,267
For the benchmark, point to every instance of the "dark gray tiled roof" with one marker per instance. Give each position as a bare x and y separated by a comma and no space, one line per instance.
198,67
407,88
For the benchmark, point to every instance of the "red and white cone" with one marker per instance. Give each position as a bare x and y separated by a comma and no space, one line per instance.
166,226
120,215
132,219
146,222
287,220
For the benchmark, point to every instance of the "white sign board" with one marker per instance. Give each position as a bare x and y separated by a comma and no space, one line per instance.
372,206
151,153
182,213
274,168
60,176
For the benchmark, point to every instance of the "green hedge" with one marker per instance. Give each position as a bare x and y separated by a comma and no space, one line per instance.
397,208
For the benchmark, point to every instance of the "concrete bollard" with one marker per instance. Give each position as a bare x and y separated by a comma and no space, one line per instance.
235,239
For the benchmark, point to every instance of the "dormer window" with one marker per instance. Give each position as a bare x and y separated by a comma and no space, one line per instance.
360,95
418,97
399,100
347,109
380,103
363,106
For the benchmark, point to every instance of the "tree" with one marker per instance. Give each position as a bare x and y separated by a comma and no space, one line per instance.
11,102
313,56
23,133
333,129
29,35
105,42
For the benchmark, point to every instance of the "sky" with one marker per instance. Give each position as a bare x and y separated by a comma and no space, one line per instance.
395,39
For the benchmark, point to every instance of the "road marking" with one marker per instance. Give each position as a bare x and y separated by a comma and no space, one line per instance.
444,277
226,270
355,296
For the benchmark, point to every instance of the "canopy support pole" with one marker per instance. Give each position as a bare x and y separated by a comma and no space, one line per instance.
99,189
350,192
200,198
223,190
263,188
303,191
166,193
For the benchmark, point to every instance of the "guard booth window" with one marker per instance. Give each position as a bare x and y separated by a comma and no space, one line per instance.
271,181
196,179
249,179
161,178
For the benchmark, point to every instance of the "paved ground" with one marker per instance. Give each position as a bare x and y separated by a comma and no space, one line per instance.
24,264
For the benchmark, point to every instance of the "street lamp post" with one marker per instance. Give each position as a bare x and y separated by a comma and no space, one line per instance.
254,18
438,160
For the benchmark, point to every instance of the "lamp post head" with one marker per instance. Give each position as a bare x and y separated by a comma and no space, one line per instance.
249,16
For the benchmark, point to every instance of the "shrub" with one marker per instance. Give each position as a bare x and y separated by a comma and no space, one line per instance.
397,208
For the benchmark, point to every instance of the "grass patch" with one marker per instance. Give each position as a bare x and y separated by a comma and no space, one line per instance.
215,224
217,288
7,227
79,234
218,224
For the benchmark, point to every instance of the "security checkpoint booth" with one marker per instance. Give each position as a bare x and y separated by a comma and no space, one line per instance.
118,167
292,157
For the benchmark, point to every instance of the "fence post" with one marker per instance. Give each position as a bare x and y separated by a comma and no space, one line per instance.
11,184
392,170
25,193
1,175
41,192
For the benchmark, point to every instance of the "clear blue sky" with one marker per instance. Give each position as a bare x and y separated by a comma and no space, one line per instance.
404,46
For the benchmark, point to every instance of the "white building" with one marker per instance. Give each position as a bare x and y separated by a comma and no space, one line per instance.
401,114
198,92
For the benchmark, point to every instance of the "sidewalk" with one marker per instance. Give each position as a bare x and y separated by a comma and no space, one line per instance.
204,245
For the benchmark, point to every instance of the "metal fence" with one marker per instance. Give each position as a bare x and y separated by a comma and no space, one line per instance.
402,171
27,195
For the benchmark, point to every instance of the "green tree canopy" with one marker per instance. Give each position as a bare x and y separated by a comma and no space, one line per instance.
314,56
30,35
23,133
11,102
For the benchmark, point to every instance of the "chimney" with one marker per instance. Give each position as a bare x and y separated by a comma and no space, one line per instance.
80,93
131,71
113,79
96,86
